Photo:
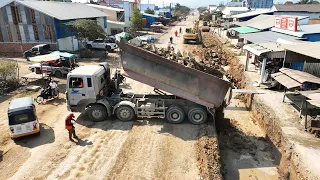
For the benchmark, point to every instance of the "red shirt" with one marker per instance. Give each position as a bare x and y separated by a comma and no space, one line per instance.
68,123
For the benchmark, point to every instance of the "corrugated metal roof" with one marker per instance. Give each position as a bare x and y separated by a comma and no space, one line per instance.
252,13
302,30
266,36
261,48
259,18
105,7
116,22
229,10
298,7
151,15
300,76
285,80
64,10
311,49
245,30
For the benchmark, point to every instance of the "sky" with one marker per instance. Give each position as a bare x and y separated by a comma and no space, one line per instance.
189,3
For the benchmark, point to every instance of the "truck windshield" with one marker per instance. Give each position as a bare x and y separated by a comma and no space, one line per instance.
24,117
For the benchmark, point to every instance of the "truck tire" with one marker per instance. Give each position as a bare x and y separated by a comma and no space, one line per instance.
125,113
197,115
58,74
97,113
175,115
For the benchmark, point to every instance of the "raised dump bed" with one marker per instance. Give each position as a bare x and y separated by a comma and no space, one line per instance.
172,77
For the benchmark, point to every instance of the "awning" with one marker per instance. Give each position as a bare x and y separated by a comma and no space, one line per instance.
285,80
45,58
64,54
255,49
293,78
310,49
266,36
245,30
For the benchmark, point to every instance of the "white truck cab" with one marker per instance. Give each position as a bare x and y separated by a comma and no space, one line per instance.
85,85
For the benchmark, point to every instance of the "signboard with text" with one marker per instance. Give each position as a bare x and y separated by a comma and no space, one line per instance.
286,23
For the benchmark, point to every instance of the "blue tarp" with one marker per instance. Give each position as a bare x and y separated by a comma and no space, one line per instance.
147,38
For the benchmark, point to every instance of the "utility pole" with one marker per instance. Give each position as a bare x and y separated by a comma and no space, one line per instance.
163,4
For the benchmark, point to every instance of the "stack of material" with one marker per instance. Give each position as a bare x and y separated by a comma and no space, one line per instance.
185,59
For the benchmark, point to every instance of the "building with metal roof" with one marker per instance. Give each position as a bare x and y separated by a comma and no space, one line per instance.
311,10
309,32
24,24
251,14
267,36
245,30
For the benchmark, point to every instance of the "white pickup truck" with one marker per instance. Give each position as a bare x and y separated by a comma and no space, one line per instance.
102,44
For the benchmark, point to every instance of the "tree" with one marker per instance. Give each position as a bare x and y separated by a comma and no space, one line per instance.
181,10
136,20
149,11
308,2
85,29
221,4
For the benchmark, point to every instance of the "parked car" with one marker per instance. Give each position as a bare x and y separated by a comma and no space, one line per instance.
22,117
102,44
59,65
40,49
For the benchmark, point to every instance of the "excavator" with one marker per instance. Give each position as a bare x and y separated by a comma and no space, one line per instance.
192,34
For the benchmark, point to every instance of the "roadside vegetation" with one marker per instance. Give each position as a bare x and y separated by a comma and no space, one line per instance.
8,76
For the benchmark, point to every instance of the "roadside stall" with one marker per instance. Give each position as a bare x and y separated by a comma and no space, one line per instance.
302,89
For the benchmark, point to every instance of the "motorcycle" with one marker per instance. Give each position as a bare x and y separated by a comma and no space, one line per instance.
47,93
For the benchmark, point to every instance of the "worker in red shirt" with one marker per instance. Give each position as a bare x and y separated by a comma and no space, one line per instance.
70,127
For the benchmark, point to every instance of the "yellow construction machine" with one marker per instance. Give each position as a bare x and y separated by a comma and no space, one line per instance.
192,34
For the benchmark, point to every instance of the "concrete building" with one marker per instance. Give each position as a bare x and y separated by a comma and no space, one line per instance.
115,20
307,32
24,24
311,10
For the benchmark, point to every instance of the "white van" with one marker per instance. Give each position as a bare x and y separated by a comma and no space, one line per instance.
22,117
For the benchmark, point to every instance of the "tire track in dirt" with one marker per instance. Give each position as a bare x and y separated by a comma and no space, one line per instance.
157,150
93,160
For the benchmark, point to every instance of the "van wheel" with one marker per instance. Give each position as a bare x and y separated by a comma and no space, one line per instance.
58,74
175,115
97,113
125,113
197,115
108,48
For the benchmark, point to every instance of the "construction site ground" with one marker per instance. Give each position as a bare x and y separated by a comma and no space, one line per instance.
297,151
154,149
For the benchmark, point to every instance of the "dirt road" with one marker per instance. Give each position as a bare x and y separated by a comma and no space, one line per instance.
144,149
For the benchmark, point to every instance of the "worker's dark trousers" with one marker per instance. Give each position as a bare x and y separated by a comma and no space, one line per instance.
72,132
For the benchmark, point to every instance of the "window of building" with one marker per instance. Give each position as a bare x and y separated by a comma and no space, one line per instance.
76,82
35,31
33,16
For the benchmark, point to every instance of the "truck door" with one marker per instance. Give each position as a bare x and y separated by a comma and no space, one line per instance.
77,89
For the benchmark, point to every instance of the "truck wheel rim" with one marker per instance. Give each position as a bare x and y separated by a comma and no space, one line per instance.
125,113
197,117
97,114
175,116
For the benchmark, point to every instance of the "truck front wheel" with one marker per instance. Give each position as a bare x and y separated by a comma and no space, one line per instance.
197,115
125,113
97,113
175,115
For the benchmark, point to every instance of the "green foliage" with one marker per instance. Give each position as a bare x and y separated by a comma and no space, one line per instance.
136,20
221,4
201,9
308,2
149,11
8,69
181,10
86,29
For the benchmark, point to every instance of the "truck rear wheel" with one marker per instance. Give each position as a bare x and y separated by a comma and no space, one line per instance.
125,113
175,115
58,74
97,113
197,115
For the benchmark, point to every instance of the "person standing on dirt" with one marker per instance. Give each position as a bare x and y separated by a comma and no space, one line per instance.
176,33
171,39
180,30
70,127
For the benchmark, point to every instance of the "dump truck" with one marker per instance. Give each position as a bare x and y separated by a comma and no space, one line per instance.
180,92
192,34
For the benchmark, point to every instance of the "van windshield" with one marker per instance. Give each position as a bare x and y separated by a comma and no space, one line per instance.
24,117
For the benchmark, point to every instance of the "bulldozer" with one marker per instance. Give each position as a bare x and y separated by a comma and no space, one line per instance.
192,34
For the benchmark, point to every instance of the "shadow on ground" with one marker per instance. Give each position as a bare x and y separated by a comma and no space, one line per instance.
46,136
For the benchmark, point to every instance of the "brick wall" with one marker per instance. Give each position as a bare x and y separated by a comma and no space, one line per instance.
17,49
